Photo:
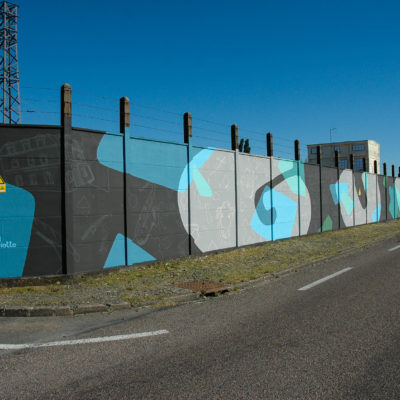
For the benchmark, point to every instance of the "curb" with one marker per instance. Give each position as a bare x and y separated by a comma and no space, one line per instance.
70,311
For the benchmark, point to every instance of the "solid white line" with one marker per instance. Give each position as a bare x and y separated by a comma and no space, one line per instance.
81,341
395,248
325,279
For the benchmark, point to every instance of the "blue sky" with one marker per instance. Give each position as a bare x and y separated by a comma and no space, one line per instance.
295,68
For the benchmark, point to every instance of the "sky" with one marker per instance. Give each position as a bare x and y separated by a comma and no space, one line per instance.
298,69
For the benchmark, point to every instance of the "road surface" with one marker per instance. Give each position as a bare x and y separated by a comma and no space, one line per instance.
330,331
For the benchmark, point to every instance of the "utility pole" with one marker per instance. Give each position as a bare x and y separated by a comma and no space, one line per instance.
330,133
10,103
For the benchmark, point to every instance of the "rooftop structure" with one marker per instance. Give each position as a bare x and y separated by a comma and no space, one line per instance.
360,149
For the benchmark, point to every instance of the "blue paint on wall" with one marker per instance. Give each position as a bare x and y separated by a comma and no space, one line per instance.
161,163
283,215
17,209
377,213
262,219
337,189
392,203
116,256
286,211
289,171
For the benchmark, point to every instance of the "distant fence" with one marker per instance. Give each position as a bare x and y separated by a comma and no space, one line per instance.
76,200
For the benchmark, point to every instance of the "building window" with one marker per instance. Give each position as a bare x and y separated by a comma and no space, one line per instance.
358,164
336,148
313,150
342,164
358,147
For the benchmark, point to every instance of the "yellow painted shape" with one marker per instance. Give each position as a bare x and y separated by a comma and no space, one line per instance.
359,191
2,185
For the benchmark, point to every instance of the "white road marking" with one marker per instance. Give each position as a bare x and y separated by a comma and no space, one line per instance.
395,248
325,279
81,341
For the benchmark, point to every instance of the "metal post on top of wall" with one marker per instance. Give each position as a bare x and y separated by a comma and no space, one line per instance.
235,148
66,129
124,124
187,137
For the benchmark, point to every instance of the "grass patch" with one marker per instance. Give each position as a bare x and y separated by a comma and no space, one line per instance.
149,284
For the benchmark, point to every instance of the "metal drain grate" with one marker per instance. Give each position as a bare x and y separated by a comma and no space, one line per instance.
206,288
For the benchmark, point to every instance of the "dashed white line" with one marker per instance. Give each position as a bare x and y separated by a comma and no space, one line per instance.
394,248
311,285
81,341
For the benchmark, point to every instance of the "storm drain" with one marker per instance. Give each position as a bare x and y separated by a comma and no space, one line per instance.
206,288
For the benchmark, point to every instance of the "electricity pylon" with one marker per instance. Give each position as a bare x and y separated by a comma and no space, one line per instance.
10,103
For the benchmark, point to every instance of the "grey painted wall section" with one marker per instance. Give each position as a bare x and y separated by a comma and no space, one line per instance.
360,200
30,161
94,201
373,212
253,175
213,206
346,198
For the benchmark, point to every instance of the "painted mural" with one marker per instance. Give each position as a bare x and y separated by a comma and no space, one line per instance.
130,200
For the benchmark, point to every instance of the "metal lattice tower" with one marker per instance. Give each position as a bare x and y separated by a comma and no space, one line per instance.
10,103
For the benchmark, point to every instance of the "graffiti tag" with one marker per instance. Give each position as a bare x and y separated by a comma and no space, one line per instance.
7,244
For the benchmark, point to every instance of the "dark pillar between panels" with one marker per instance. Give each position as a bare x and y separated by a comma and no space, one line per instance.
297,150
234,137
384,169
336,159
399,171
270,145
375,167
393,170
65,150
364,165
351,162
124,124
187,127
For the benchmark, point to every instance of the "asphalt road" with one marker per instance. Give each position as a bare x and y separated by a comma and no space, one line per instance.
339,339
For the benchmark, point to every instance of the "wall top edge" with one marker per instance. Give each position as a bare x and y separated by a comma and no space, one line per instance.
74,128
16,126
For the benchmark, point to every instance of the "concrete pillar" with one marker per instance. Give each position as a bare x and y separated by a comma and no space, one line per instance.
270,145
319,155
124,114
187,127
297,150
234,137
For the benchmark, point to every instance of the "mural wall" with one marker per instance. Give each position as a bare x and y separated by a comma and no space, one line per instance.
111,199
